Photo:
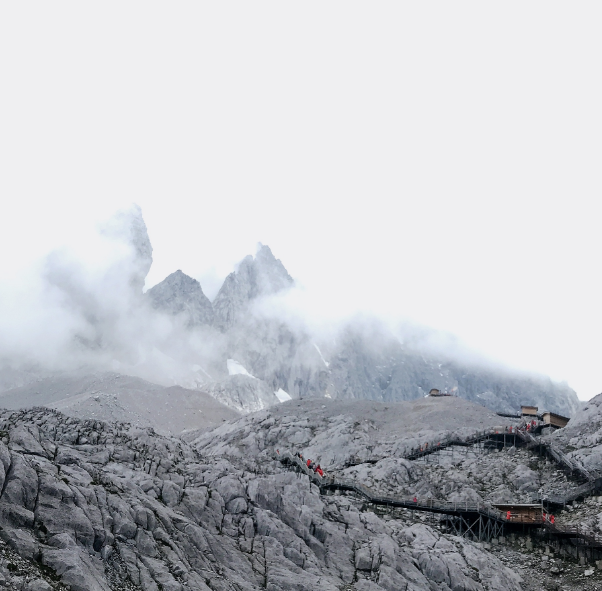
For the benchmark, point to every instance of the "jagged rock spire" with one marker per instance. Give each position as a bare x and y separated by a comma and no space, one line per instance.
263,274
179,294
128,226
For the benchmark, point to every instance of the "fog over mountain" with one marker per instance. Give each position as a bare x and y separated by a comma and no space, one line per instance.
250,348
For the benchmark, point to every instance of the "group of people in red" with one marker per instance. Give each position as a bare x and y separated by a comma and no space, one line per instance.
531,425
312,465
548,517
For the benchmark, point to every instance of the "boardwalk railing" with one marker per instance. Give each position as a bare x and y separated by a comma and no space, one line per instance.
577,534
508,436
469,441
328,482
490,520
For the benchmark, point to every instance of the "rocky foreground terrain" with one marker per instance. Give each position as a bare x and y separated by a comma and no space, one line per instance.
89,505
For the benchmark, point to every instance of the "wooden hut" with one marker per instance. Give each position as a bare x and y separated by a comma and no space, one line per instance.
556,421
435,392
529,411
521,513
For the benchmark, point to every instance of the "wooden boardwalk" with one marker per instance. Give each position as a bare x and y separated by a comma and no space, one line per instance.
591,482
479,521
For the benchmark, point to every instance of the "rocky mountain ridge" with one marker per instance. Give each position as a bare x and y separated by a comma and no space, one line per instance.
174,336
364,361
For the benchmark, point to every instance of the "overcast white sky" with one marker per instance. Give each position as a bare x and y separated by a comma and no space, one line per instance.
428,160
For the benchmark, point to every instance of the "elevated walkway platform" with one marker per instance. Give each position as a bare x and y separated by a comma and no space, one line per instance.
480,520
477,520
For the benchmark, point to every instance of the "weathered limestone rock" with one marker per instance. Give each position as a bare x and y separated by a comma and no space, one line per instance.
209,520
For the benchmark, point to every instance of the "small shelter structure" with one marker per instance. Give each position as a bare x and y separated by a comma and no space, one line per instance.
521,513
554,420
529,411
436,392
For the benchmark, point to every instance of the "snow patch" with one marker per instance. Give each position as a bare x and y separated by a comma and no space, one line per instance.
321,356
282,395
235,368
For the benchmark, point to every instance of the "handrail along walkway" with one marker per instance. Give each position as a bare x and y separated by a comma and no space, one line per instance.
479,520
591,481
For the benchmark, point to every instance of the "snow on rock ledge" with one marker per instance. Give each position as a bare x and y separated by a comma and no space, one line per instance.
282,395
235,368
243,392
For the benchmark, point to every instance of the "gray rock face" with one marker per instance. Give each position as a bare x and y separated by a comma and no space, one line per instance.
343,433
505,392
262,275
280,356
242,393
130,509
581,439
364,362
367,362
182,296
366,441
